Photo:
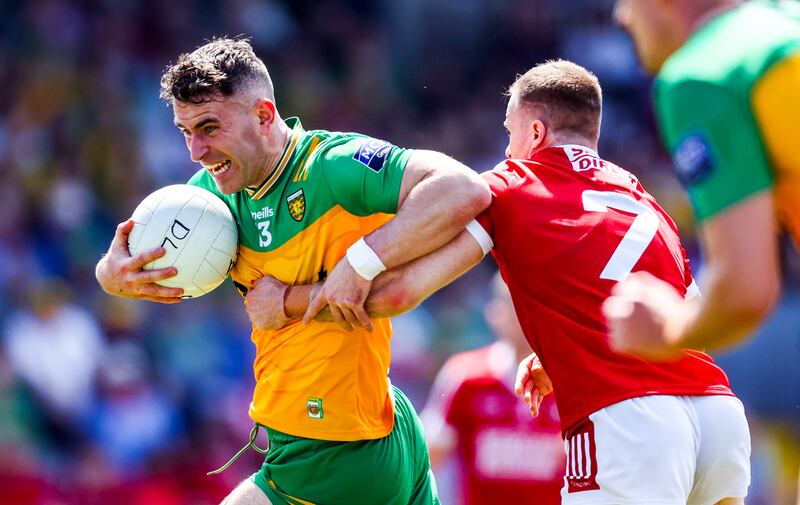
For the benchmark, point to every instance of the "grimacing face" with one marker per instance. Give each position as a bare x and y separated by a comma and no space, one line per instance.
518,124
647,22
225,136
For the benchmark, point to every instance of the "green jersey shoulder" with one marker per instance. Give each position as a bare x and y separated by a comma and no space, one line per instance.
703,103
318,171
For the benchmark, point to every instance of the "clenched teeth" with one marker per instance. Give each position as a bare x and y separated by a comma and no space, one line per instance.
219,168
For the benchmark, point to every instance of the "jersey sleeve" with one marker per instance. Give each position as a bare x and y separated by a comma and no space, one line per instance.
715,144
498,181
364,174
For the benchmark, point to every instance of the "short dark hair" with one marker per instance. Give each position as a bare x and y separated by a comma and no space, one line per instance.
223,66
568,95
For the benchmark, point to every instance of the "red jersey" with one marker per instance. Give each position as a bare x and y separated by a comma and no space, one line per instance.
504,453
566,227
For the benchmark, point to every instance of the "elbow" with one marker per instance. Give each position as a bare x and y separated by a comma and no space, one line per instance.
474,195
395,299
482,197
473,191
402,300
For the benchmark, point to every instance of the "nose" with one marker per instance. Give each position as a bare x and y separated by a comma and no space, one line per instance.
197,147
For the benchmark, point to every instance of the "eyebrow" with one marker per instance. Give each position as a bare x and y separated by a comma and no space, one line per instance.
198,125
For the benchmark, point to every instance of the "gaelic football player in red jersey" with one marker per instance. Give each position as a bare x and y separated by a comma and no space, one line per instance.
474,415
564,226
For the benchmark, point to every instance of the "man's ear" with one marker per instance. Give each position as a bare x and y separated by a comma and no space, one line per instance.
265,109
538,135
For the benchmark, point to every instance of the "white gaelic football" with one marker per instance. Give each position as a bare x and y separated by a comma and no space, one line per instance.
197,230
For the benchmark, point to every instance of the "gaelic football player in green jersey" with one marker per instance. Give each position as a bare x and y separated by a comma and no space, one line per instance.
311,205
727,97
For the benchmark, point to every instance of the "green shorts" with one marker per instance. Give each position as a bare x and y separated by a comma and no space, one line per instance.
392,470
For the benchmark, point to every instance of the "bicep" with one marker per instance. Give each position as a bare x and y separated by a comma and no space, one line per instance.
420,165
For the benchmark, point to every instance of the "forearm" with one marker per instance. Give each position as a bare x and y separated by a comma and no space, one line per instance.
432,211
725,315
383,301
401,289
295,301
742,276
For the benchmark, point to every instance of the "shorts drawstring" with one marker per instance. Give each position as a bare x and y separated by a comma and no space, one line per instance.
251,443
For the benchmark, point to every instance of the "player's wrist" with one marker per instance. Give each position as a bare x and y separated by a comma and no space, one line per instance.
364,260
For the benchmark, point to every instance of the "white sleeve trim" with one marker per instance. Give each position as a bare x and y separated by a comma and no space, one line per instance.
481,237
692,291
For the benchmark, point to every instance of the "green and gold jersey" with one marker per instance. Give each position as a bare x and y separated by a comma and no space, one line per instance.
728,104
330,188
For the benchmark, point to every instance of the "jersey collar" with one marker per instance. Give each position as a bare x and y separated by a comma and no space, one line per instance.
577,148
256,193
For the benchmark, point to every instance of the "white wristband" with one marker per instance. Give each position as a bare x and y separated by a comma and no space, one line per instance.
479,234
364,260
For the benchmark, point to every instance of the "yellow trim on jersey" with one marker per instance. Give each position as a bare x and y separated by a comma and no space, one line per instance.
257,194
298,500
776,106
302,172
288,497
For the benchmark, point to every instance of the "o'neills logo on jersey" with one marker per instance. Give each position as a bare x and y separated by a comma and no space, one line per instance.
582,459
314,407
263,213
582,158
297,204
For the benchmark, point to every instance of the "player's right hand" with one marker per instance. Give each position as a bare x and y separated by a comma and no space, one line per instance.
121,274
643,313
345,293
532,383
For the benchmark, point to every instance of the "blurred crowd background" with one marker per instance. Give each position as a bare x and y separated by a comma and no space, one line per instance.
104,400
